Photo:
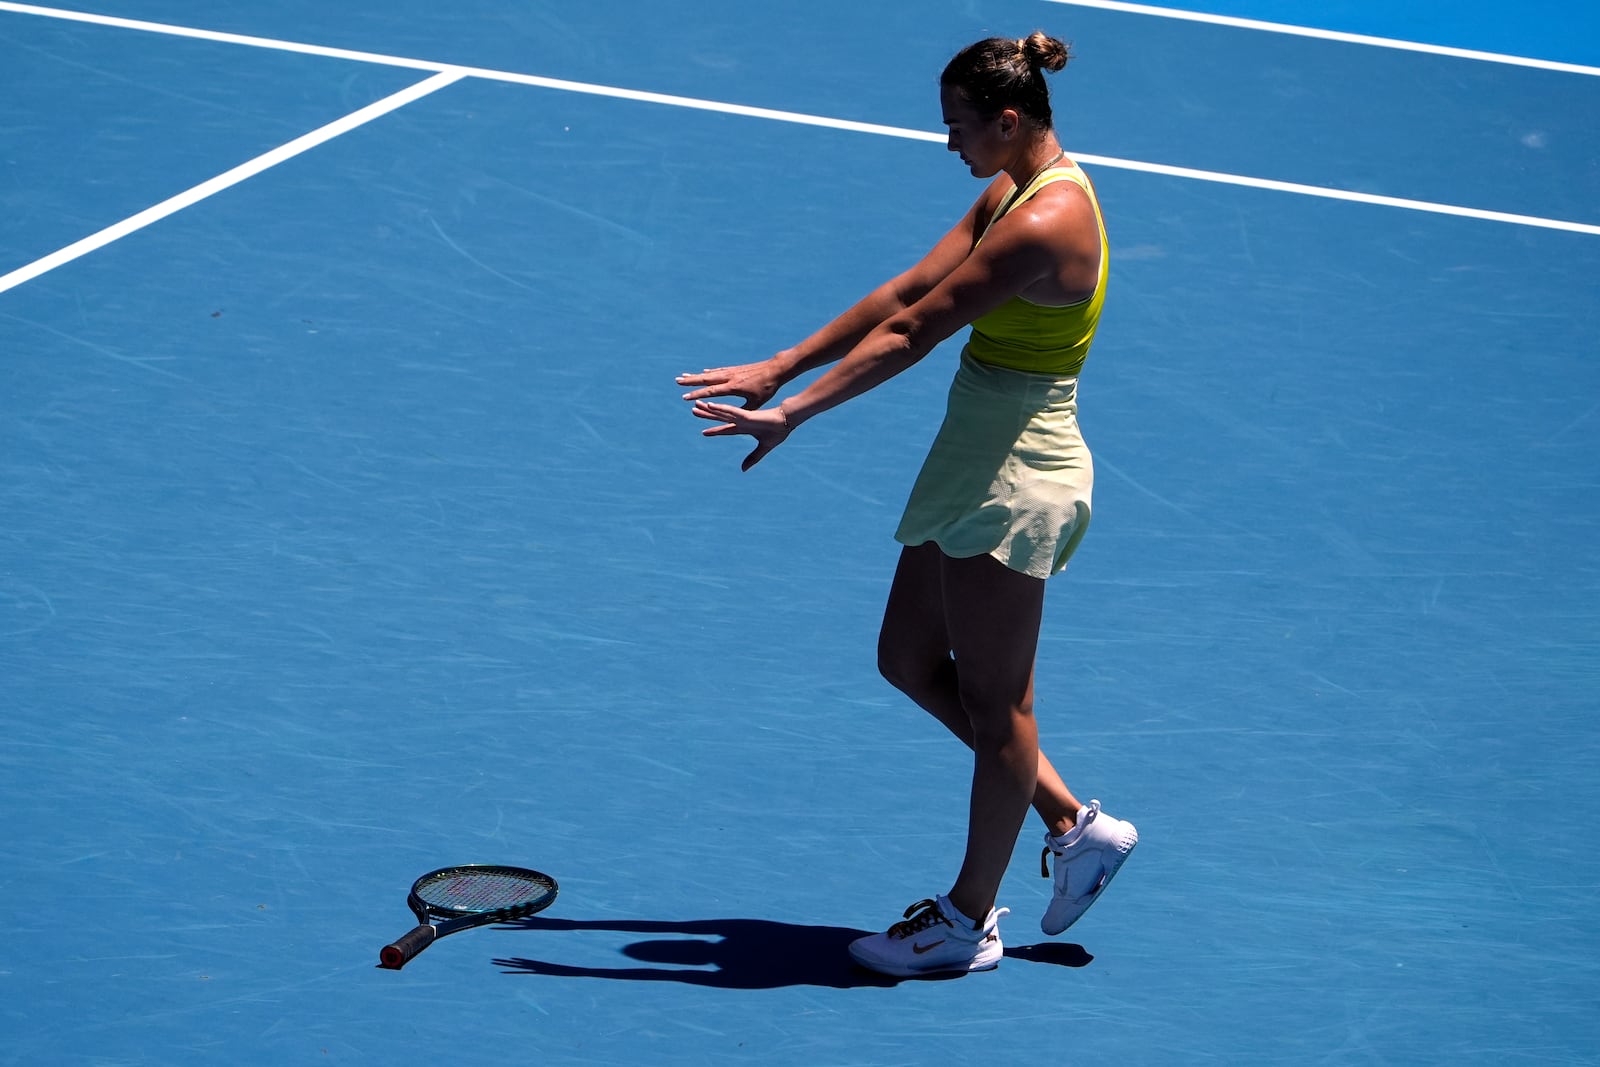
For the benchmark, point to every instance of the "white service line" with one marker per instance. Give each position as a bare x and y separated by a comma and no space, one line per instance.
1337,194
229,178
1330,35
1083,157
800,118
218,36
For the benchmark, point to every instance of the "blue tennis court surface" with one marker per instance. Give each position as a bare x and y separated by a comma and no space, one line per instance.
353,526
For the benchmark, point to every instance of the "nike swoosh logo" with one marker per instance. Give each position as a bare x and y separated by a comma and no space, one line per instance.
920,949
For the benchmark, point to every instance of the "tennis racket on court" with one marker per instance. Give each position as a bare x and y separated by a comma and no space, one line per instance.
458,898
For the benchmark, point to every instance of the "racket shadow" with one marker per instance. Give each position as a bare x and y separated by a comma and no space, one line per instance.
740,954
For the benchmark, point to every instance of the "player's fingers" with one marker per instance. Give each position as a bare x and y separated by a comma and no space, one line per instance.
705,409
757,455
724,427
710,374
704,382
717,390
752,459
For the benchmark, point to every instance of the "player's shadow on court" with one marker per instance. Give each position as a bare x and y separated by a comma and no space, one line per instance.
741,954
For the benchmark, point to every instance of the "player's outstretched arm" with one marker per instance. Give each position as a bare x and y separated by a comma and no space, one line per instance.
757,383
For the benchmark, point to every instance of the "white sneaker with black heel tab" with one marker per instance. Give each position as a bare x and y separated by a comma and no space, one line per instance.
932,939
1087,857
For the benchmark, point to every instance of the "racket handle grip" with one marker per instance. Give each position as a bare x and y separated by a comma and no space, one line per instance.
404,950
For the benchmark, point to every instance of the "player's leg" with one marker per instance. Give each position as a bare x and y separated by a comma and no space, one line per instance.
992,615
959,638
986,704
914,656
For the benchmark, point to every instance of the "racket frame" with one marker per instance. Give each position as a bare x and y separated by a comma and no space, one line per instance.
436,920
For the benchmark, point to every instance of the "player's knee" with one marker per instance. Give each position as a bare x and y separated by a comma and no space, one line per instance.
996,713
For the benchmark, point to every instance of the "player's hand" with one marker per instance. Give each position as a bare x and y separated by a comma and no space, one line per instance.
754,383
768,426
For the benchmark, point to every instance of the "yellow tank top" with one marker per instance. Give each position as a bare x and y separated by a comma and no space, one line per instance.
1022,335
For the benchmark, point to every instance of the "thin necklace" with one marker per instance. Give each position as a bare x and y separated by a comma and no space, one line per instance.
1059,156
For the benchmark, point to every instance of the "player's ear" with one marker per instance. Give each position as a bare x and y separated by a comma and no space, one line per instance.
1010,122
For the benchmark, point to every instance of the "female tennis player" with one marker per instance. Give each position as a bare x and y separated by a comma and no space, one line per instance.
1003,497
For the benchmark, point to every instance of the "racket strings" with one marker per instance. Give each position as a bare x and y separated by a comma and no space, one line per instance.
476,891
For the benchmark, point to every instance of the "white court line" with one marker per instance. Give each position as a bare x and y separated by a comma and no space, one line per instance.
1083,157
229,178
448,73
800,118
218,36
1331,35
1339,194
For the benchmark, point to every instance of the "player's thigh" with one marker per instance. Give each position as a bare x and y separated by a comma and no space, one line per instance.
992,616
913,633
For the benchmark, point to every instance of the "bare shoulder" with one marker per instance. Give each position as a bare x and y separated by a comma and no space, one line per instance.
1060,210
1055,227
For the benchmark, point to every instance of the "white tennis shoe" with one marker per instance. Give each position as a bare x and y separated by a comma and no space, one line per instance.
933,938
1087,857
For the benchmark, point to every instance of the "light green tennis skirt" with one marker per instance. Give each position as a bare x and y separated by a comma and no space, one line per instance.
1008,475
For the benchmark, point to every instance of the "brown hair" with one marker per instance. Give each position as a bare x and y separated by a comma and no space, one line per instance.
1003,72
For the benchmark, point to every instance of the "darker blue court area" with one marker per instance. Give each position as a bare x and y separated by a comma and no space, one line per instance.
353,526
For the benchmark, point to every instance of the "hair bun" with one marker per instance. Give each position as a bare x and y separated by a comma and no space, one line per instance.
1044,51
